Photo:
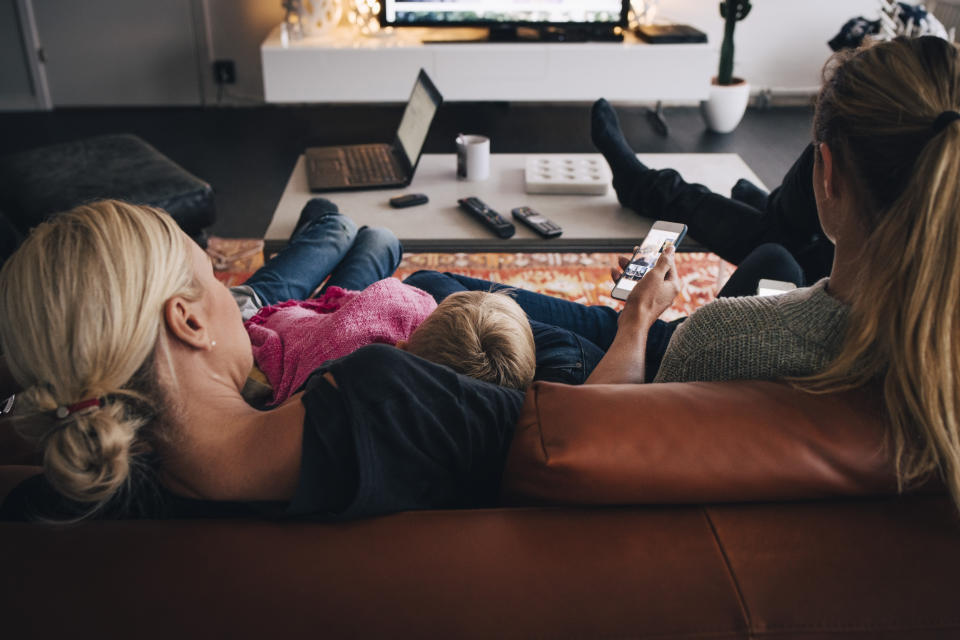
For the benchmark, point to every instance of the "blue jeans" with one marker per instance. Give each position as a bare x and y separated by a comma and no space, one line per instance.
571,338
326,243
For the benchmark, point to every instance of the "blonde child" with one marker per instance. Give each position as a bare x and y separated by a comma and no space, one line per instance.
484,335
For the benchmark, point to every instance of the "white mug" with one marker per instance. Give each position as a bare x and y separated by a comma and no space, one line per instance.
473,157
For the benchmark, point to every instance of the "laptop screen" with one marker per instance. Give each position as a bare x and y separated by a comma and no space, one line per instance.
415,125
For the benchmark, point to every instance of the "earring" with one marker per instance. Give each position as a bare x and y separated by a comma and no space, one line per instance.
213,343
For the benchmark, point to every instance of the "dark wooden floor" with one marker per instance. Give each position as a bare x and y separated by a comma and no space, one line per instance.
247,153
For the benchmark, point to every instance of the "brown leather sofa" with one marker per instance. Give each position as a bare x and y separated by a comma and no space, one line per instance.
715,510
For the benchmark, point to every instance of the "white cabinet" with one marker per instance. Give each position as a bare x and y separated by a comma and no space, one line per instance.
344,67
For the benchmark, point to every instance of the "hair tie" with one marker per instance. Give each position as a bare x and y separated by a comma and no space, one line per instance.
944,119
65,411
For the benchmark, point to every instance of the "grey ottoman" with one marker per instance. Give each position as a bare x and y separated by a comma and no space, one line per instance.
38,183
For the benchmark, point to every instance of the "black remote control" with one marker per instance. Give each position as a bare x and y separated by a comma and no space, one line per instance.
408,200
490,218
537,222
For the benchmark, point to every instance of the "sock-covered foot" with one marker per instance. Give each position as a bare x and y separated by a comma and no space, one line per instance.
748,193
316,209
609,140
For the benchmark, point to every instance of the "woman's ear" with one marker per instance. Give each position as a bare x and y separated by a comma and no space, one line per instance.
186,323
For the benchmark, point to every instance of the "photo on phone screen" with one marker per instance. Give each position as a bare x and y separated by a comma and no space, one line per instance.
646,256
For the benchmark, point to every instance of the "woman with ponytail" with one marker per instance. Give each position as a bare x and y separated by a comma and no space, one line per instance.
888,124
886,182
132,357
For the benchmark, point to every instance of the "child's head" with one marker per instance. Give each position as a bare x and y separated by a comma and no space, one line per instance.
479,334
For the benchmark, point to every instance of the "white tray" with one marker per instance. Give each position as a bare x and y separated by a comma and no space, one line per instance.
567,174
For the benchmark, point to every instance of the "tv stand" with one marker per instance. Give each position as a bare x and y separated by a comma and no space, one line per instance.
343,67
554,33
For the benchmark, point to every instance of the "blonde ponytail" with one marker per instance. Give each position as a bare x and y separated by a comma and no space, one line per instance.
81,317
877,110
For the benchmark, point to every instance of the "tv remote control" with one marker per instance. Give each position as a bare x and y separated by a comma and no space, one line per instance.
408,200
490,218
537,222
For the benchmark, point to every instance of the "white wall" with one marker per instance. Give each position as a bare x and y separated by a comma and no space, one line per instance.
136,52
119,52
237,27
782,44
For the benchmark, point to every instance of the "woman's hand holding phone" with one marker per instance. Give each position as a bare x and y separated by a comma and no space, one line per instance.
653,294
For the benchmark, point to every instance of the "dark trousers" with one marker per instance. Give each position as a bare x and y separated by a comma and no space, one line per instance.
734,227
771,261
570,337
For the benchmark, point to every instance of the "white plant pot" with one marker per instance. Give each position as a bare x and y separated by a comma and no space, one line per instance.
724,109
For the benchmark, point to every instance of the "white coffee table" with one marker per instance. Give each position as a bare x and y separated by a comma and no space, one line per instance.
590,223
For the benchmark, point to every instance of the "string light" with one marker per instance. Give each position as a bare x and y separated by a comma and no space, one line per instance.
365,16
324,16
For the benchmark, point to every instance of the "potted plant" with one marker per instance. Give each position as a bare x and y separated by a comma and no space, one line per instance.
728,94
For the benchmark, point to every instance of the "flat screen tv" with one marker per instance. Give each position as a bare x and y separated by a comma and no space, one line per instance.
493,13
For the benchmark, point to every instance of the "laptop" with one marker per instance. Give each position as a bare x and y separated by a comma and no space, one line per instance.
381,165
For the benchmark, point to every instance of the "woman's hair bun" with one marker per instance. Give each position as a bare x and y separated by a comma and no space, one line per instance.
87,454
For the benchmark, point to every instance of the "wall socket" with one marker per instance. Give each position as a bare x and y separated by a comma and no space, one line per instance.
224,72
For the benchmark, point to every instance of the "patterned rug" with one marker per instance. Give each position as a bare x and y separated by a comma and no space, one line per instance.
581,277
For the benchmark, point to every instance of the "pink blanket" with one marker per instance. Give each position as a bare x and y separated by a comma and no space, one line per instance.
291,339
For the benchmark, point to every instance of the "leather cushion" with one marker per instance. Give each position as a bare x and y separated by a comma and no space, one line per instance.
695,443
882,568
40,182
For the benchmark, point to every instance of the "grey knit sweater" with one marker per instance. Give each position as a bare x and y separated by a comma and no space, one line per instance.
758,338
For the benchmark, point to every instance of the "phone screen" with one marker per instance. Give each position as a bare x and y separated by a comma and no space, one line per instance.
643,260
774,287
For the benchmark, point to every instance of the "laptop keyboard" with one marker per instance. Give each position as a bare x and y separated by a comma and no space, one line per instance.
369,164
326,172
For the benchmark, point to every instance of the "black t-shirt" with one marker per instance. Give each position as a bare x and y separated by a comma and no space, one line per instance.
398,433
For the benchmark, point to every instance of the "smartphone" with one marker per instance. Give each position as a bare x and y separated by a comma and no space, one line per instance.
646,256
773,287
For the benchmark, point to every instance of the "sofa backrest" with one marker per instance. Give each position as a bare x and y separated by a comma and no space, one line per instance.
695,443
670,443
